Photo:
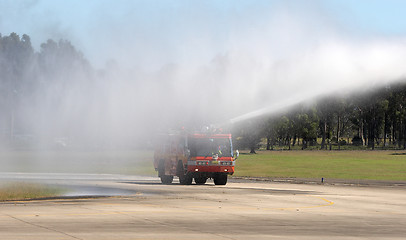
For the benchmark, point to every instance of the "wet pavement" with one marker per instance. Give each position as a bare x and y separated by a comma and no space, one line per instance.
147,209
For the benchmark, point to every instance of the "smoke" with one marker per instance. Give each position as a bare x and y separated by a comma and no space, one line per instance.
167,65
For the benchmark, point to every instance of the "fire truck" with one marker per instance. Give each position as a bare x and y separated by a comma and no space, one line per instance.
197,156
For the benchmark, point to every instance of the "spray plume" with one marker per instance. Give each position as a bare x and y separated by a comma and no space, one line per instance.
196,72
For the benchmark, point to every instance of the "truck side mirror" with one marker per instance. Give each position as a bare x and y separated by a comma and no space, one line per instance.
237,153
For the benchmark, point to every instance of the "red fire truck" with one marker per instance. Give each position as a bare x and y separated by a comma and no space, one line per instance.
197,156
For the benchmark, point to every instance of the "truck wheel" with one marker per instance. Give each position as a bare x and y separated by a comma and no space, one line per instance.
161,168
180,172
186,179
200,180
220,179
166,179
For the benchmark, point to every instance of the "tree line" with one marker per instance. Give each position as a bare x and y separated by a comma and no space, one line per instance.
376,119
33,84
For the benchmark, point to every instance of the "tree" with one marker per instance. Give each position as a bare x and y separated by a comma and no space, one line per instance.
16,68
36,87
284,129
325,112
306,126
65,79
248,134
270,133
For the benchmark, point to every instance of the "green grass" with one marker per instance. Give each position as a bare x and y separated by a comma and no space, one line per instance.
115,162
372,165
24,191
108,162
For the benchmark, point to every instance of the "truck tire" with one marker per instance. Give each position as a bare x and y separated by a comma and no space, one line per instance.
180,171
186,179
200,180
220,179
165,179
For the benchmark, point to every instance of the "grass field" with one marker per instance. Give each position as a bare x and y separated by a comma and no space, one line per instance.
23,191
118,162
373,165
351,165
114,162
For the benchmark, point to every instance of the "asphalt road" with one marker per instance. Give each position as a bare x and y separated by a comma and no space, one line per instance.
131,207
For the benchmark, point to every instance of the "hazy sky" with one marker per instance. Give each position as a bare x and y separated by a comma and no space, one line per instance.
152,33
243,56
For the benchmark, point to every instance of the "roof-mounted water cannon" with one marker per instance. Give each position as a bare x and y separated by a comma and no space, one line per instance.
205,129
211,130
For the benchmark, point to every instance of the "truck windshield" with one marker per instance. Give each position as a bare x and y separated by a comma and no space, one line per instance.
207,147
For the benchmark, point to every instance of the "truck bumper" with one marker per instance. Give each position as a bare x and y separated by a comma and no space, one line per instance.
211,169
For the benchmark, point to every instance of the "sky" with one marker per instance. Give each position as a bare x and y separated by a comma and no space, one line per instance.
370,16
152,33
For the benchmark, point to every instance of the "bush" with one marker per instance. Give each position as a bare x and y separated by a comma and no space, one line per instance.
342,142
356,141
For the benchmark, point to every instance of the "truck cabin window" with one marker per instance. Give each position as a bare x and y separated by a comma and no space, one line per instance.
207,147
